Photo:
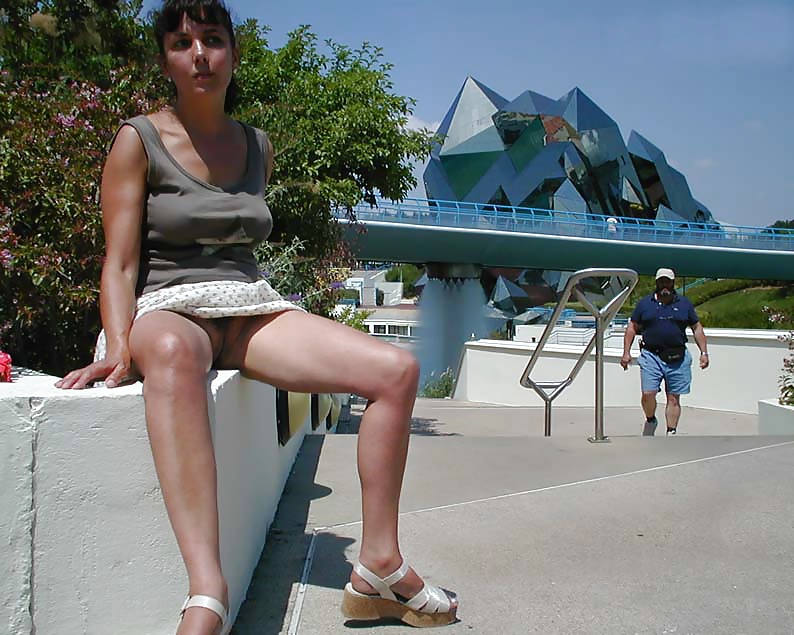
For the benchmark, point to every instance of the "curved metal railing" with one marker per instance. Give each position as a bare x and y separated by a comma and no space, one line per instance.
574,224
621,284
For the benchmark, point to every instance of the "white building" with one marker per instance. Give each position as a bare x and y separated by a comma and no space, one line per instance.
369,282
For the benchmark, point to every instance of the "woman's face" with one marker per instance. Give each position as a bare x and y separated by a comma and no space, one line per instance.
199,59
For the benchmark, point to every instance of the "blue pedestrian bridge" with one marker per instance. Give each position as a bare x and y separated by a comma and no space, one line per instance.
433,231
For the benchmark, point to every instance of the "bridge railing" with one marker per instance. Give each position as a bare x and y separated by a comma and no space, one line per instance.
574,224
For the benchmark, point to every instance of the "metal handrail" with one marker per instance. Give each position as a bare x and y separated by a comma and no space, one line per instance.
579,224
550,390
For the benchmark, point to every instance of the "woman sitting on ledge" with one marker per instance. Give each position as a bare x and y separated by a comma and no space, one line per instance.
183,208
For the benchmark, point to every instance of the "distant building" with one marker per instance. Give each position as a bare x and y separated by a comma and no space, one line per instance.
563,155
369,282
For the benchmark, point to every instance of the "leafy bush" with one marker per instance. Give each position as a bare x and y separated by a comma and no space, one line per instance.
785,319
351,294
53,137
787,378
354,318
743,309
300,279
716,288
439,387
408,274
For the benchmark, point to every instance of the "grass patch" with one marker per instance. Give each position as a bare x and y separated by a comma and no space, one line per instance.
716,288
725,303
743,308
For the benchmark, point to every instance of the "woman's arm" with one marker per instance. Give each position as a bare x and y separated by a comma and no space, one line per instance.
122,196
123,191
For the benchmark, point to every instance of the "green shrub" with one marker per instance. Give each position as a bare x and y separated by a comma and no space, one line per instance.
784,319
716,288
408,274
351,294
787,377
439,387
743,309
53,138
354,318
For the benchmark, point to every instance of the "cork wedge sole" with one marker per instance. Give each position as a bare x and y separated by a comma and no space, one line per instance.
360,607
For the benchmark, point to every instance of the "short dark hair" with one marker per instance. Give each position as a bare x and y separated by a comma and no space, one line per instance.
168,18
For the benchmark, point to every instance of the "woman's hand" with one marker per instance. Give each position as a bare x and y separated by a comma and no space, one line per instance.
113,370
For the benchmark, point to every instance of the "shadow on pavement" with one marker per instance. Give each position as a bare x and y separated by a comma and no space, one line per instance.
280,567
420,426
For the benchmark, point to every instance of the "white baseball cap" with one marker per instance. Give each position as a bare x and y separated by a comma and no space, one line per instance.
665,273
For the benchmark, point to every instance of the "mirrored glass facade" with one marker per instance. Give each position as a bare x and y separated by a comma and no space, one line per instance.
565,154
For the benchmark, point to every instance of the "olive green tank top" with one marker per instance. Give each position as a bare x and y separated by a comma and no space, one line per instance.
195,231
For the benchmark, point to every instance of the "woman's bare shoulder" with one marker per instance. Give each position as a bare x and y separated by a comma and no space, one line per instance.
163,120
127,149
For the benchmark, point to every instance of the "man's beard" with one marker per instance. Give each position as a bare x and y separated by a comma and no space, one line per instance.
664,292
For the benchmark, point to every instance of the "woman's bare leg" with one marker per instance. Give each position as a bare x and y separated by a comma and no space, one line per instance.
174,354
306,353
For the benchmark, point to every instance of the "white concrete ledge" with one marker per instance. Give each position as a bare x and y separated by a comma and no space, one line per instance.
745,367
87,546
775,418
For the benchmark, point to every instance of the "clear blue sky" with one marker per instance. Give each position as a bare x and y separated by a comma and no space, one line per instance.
709,82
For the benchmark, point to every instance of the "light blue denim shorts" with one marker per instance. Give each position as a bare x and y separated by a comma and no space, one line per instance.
677,377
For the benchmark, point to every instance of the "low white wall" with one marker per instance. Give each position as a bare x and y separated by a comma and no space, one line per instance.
745,366
773,418
88,546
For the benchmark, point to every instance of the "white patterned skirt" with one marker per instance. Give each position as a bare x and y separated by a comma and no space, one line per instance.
214,299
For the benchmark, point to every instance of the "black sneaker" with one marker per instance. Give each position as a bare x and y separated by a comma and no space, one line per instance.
671,431
649,429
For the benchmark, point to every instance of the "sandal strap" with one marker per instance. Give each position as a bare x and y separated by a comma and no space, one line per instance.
430,599
382,585
206,602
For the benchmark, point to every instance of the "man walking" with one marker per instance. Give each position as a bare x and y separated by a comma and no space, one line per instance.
662,318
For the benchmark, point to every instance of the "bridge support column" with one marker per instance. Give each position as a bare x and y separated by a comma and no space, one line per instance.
453,271
451,312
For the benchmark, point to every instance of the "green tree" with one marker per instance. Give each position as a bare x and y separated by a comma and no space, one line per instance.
408,274
783,224
73,39
338,130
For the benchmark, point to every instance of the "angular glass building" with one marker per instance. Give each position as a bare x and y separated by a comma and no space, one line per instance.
563,155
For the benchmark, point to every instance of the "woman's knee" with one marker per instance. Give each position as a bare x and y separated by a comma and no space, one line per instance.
401,373
169,350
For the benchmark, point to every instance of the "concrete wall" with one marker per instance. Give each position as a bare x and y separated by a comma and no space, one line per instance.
745,366
87,543
392,292
773,418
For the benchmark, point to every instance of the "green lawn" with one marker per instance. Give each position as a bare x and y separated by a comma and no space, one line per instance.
743,308
725,303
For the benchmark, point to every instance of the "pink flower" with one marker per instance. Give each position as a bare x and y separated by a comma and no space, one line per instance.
65,120
5,367
6,259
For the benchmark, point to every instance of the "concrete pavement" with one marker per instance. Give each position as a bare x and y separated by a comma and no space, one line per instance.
688,534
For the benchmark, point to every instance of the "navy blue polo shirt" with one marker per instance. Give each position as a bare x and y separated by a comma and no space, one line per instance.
664,325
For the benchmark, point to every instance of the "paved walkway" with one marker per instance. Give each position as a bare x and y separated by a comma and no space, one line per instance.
687,534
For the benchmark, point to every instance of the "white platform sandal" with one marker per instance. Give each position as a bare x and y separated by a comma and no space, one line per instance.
432,606
207,602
